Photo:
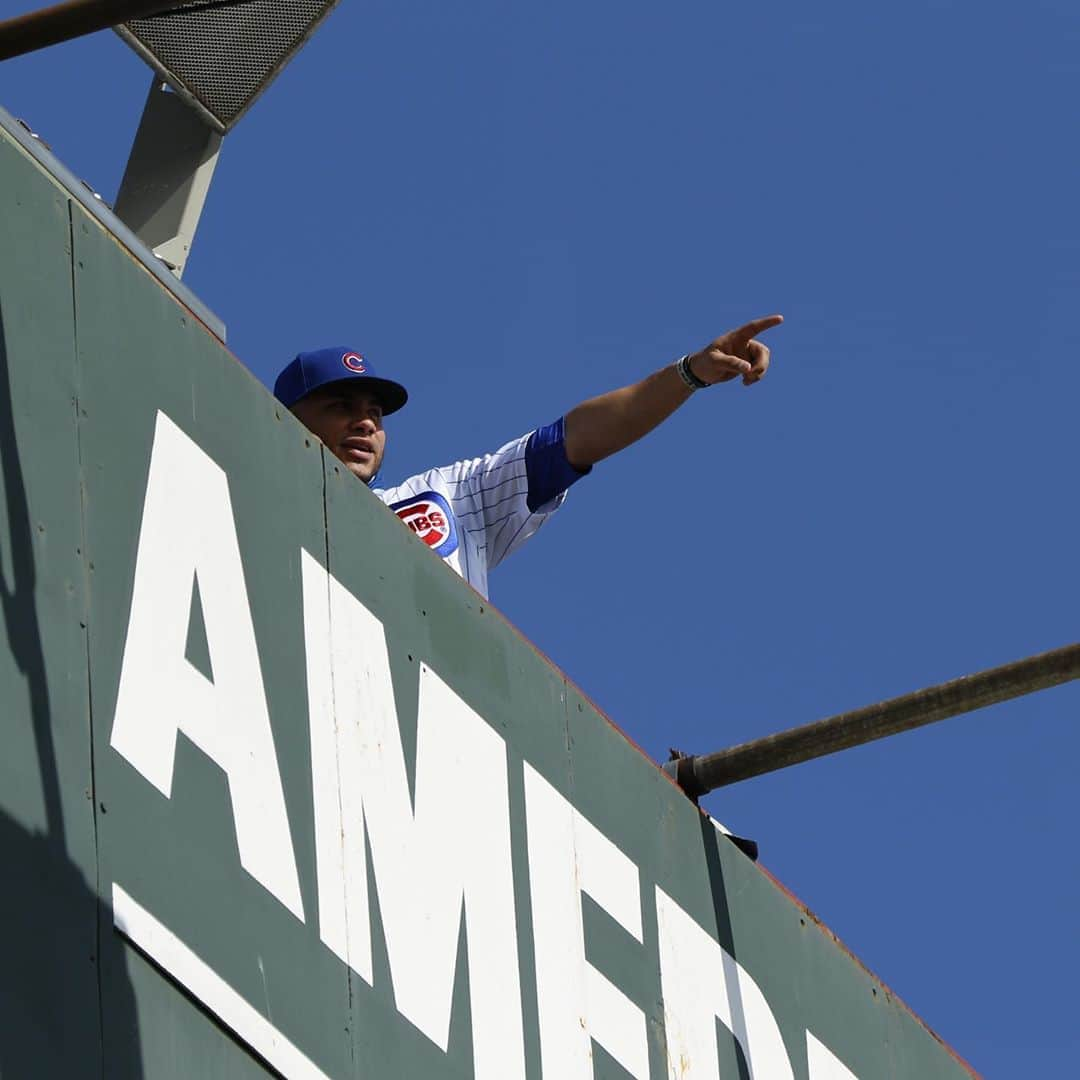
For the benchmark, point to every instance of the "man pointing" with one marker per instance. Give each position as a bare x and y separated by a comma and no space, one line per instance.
474,513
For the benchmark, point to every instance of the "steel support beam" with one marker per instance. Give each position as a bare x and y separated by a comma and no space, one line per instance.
168,176
706,772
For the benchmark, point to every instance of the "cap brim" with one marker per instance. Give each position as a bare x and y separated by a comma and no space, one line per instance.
392,396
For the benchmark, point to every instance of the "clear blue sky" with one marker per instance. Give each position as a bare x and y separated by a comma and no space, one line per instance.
512,208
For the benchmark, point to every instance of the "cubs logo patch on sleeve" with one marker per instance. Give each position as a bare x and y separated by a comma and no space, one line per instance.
428,515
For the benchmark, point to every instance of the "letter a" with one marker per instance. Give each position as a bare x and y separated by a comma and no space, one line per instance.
188,529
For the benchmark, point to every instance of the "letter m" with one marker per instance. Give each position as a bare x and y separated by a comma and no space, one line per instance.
452,848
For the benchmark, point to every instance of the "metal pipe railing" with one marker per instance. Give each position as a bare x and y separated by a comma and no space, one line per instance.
706,772
62,22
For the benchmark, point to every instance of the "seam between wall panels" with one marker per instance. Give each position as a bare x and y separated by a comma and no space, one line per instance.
337,754
85,623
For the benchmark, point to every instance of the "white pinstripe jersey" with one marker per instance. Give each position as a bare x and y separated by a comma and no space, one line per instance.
475,513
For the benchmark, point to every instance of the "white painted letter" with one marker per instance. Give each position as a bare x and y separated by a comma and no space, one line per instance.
188,528
454,848
824,1064
576,1003
701,983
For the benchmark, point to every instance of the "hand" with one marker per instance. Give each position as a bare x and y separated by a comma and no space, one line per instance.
735,353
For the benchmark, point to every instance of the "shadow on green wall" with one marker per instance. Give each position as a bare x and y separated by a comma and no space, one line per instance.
54,929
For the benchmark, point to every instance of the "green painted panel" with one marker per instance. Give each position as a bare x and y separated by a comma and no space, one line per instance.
809,980
431,617
140,352
172,1036
48,976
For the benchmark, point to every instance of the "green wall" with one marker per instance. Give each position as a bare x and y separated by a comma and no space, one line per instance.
92,350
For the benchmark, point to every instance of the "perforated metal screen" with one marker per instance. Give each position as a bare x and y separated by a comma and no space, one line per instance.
221,54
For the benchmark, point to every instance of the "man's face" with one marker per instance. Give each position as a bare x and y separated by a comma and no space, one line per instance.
348,418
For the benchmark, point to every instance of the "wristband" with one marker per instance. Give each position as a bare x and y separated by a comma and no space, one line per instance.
682,366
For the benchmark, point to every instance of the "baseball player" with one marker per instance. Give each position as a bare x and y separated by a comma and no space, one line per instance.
475,513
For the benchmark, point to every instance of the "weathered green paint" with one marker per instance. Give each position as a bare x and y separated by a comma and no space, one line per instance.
48,974
278,508
438,620
94,347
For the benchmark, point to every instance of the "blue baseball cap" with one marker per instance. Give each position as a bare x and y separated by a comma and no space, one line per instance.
310,370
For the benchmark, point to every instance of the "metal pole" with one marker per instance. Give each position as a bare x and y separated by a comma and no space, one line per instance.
50,26
704,773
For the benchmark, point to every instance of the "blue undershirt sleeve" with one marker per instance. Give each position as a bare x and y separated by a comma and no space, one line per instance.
546,466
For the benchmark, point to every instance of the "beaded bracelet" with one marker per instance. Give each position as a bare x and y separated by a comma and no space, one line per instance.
682,366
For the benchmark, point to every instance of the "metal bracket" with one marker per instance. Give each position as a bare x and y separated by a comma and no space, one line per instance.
168,176
680,767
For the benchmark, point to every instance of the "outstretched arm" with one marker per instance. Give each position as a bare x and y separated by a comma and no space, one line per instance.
604,425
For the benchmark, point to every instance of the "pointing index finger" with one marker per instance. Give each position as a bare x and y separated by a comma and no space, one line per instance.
757,326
